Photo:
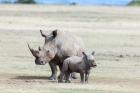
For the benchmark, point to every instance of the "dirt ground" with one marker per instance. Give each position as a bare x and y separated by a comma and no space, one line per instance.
113,32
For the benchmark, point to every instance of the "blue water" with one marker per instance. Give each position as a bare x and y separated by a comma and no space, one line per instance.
81,2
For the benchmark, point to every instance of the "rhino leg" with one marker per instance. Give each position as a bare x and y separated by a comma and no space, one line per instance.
87,76
67,75
60,67
82,77
54,71
60,79
63,70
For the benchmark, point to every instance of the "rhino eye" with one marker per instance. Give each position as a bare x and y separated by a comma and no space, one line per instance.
48,51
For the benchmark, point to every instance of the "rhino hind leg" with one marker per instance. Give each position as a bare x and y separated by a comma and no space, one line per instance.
54,71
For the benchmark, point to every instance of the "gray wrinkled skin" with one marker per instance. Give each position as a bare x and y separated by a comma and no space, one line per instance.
77,64
58,46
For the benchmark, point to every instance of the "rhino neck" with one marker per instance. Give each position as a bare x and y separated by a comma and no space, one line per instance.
59,59
56,60
62,58
87,63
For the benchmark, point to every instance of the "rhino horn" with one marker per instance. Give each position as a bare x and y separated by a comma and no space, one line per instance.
43,35
34,52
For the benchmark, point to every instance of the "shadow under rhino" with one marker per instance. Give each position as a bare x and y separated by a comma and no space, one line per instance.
40,79
30,77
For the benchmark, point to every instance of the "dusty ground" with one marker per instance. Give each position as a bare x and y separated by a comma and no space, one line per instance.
113,32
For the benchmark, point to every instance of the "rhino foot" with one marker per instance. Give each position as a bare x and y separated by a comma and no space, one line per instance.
67,81
60,82
73,76
82,82
52,78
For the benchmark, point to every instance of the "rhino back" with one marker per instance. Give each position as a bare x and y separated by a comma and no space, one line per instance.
68,45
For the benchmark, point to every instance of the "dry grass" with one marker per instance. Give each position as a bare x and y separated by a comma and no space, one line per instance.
113,32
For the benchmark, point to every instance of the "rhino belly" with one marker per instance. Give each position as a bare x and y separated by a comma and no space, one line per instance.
73,67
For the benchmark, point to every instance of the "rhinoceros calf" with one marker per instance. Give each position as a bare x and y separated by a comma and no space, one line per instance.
58,46
77,64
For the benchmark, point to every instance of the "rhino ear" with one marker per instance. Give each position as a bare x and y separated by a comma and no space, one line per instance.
54,33
93,53
34,52
39,48
43,35
84,53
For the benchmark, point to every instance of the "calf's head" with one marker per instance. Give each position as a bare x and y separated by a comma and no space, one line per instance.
90,58
43,55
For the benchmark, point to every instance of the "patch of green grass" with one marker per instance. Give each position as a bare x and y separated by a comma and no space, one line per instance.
134,3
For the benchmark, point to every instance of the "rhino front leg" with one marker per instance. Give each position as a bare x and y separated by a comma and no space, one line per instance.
60,79
87,76
67,76
54,71
82,77
60,67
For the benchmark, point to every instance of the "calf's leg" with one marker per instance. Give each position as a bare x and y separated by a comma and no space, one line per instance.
82,77
67,75
87,76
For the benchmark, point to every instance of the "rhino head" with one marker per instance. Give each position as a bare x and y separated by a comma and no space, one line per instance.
90,58
47,52
43,55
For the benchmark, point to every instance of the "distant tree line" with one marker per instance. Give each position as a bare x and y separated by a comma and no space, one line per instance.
26,1
20,1
134,3
131,3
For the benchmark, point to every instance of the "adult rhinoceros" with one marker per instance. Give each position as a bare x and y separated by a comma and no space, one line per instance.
58,46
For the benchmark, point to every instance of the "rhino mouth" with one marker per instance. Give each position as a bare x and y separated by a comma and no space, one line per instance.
94,65
39,62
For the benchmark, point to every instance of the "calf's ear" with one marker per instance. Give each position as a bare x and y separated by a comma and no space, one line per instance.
84,53
54,33
93,53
